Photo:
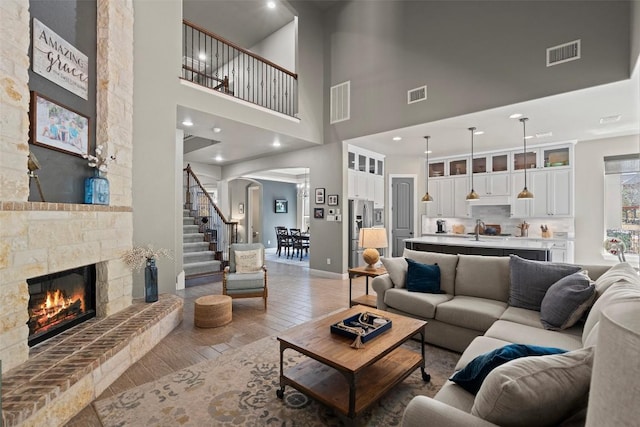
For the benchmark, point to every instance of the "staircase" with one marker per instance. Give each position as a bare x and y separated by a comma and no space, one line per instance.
197,259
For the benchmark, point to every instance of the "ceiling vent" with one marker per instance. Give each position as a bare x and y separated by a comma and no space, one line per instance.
416,95
340,102
563,53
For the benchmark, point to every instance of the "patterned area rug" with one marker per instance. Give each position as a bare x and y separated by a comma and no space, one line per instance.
239,389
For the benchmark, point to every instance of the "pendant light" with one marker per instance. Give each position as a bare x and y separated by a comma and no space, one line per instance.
525,193
472,194
427,197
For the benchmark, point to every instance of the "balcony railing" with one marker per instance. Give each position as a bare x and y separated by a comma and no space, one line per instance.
211,61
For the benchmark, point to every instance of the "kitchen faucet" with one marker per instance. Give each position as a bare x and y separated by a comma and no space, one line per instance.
479,223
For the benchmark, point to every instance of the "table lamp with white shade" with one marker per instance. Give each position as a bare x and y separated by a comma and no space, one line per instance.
372,239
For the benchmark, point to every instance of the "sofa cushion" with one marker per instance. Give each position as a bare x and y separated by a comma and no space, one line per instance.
620,272
479,345
397,269
531,279
454,395
569,339
566,301
446,262
483,277
470,312
473,374
423,277
620,291
522,316
413,303
540,391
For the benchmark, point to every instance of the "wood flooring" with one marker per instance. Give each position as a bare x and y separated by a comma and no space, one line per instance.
295,297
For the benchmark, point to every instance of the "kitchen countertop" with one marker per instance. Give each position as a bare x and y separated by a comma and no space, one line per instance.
487,236
505,242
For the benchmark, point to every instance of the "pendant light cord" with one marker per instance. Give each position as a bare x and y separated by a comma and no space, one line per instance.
472,129
524,154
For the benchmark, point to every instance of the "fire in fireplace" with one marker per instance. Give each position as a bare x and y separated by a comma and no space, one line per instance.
59,301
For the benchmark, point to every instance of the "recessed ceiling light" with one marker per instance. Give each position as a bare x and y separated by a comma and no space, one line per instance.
515,116
276,144
202,56
528,137
217,130
397,138
479,132
271,4
187,122
218,158
428,152
544,134
610,119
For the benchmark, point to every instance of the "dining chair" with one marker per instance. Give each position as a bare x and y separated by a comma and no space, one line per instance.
283,240
300,243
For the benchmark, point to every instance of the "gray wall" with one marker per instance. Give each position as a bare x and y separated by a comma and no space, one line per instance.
326,169
62,174
472,55
271,191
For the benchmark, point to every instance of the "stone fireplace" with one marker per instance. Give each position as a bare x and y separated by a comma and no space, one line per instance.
60,301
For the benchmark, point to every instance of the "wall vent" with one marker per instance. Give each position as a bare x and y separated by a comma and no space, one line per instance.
340,102
563,53
416,95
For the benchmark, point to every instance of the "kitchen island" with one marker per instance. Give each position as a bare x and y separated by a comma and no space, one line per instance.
486,245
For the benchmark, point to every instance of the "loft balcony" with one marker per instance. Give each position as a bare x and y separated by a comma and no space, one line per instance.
218,64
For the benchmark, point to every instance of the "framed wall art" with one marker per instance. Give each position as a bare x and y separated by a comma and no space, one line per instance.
319,196
332,200
57,127
280,206
318,213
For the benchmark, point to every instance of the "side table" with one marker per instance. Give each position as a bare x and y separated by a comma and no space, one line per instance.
366,299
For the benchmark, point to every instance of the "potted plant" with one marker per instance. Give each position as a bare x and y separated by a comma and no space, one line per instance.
146,256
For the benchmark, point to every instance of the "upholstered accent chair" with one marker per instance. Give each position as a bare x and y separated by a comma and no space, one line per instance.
246,274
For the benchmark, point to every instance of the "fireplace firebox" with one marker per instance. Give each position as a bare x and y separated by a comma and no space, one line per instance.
59,301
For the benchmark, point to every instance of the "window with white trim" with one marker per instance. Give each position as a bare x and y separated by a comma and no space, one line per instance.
622,200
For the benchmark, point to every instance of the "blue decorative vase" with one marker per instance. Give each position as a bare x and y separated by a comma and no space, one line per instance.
96,189
151,281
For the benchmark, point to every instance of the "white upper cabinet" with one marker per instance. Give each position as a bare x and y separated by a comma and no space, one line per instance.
365,175
498,177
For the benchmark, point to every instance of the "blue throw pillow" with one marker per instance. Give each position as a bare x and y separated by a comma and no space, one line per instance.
423,277
471,376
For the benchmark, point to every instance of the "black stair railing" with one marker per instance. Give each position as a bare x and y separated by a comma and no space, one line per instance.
218,231
211,61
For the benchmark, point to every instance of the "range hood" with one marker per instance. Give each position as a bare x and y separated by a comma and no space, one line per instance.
492,201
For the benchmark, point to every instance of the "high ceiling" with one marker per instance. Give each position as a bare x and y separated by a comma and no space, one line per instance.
569,117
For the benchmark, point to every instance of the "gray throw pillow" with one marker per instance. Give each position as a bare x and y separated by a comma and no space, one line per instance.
397,269
531,279
566,301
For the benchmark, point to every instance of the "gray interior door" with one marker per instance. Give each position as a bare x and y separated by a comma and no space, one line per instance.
402,200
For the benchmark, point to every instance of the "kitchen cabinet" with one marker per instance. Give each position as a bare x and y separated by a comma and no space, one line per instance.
436,169
358,185
461,187
492,184
449,197
552,194
457,167
365,175
552,190
441,191
377,183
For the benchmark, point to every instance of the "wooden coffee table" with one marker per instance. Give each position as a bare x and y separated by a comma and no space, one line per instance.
360,377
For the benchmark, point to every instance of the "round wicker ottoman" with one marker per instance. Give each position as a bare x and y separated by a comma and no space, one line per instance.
212,311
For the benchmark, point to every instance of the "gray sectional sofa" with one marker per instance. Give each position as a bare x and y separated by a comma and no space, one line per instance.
472,315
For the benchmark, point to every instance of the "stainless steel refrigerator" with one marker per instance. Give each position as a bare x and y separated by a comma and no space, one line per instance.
360,216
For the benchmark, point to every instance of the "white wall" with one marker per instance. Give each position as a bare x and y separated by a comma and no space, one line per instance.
157,35
279,47
209,175
589,190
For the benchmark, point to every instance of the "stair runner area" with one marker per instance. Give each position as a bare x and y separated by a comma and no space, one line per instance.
197,259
